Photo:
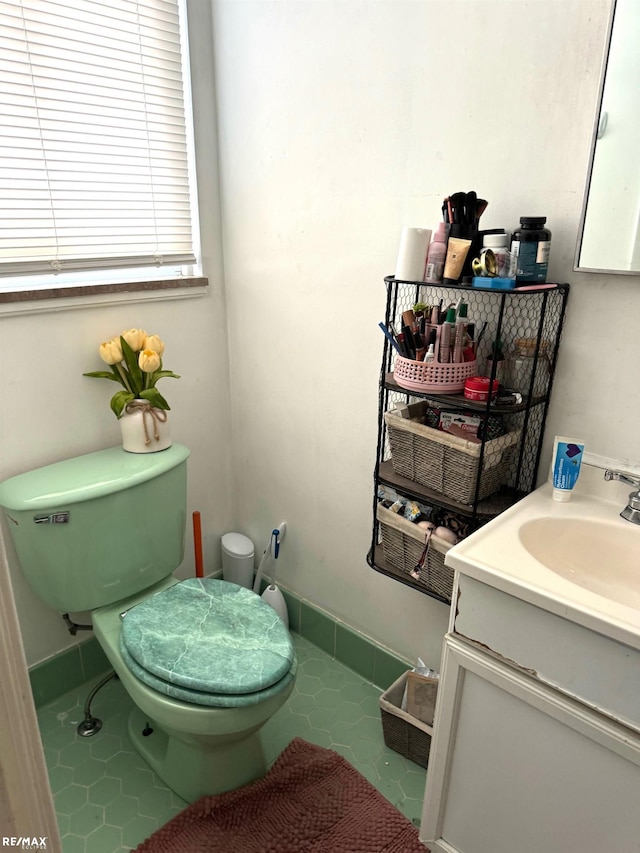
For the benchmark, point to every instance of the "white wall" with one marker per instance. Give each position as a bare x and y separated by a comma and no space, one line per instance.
340,122
49,411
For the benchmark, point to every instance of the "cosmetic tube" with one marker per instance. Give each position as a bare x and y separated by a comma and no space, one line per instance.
446,337
565,466
460,337
409,342
420,347
458,342
457,251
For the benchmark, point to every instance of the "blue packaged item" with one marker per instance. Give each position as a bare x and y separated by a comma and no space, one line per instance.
567,458
495,283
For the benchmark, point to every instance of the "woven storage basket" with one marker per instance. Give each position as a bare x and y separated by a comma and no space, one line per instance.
403,543
432,376
446,463
402,732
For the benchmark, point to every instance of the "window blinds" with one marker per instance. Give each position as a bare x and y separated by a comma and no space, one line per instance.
93,146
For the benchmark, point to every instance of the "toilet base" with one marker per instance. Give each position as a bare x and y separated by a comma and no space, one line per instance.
192,770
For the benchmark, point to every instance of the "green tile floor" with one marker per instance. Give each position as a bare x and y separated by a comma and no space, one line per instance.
108,800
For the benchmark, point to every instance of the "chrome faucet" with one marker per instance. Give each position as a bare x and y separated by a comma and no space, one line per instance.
632,510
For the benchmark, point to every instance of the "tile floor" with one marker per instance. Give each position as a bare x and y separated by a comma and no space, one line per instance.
108,800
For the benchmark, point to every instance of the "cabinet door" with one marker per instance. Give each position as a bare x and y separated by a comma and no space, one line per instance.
517,766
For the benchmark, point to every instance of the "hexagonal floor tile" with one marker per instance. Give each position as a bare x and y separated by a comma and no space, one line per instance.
86,819
121,810
104,839
70,799
137,830
105,790
108,799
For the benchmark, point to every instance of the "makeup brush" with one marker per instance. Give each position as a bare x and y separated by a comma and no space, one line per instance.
470,202
481,206
457,205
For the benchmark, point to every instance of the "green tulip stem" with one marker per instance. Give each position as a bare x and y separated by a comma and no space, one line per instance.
123,376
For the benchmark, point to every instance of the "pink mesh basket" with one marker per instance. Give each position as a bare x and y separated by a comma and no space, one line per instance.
432,376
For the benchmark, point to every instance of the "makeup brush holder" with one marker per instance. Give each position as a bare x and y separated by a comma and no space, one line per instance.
432,377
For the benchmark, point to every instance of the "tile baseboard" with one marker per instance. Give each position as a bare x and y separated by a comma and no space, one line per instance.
69,669
75,666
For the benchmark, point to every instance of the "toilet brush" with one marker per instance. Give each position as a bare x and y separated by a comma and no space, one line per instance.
272,594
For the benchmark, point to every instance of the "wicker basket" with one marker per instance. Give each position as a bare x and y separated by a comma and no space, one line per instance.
444,462
403,733
403,543
432,376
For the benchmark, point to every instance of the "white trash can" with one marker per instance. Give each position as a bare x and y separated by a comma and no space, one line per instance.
237,559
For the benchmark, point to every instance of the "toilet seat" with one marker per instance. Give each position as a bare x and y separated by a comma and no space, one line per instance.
209,642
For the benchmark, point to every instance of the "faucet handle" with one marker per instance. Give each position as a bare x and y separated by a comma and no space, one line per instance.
632,510
623,478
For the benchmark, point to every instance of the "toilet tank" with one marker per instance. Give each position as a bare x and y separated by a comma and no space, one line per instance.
91,530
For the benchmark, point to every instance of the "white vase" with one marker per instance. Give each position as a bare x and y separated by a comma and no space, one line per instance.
144,428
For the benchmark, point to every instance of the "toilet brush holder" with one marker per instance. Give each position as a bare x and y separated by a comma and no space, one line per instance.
275,598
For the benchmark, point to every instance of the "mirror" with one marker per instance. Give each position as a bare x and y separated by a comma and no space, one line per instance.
609,234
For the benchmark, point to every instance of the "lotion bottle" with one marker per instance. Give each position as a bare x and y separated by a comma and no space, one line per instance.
565,466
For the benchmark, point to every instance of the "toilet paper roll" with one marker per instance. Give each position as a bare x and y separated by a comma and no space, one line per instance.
412,255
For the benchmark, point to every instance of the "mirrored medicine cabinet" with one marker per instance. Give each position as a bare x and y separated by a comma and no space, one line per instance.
609,233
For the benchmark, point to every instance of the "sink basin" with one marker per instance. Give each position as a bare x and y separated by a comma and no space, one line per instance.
603,558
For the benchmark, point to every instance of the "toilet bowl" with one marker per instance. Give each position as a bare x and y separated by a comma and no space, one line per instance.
205,662
195,747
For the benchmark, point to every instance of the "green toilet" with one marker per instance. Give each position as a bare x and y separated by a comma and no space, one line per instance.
205,662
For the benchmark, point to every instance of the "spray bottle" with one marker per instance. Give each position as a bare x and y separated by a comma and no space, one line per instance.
437,254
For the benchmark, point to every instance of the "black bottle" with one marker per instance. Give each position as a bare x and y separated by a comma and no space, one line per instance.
531,244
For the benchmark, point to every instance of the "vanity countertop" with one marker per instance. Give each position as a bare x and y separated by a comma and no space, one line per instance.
496,555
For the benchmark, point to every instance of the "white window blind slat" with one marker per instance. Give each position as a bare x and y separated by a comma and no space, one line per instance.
94,165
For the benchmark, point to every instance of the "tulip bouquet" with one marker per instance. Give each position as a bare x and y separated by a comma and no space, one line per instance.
135,359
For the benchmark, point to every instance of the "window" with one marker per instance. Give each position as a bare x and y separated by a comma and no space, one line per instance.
94,157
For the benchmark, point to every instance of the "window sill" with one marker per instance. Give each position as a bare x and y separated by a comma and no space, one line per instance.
61,298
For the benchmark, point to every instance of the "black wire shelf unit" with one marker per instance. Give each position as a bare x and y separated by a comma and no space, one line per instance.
535,314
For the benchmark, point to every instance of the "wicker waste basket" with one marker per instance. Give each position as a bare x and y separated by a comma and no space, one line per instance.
403,543
404,733
447,463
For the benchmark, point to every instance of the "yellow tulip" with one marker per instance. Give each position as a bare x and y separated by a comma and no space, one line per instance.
135,338
148,361
111,351
155,343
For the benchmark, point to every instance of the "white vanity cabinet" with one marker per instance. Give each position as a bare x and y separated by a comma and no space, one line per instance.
537,732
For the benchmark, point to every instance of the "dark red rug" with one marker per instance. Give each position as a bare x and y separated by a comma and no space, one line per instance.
311,801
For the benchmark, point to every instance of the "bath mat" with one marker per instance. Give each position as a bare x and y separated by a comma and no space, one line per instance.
311,801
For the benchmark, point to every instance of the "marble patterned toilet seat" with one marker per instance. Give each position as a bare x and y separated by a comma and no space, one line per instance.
208,642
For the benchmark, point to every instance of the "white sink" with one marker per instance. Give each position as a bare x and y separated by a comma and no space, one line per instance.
599,556
579,559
